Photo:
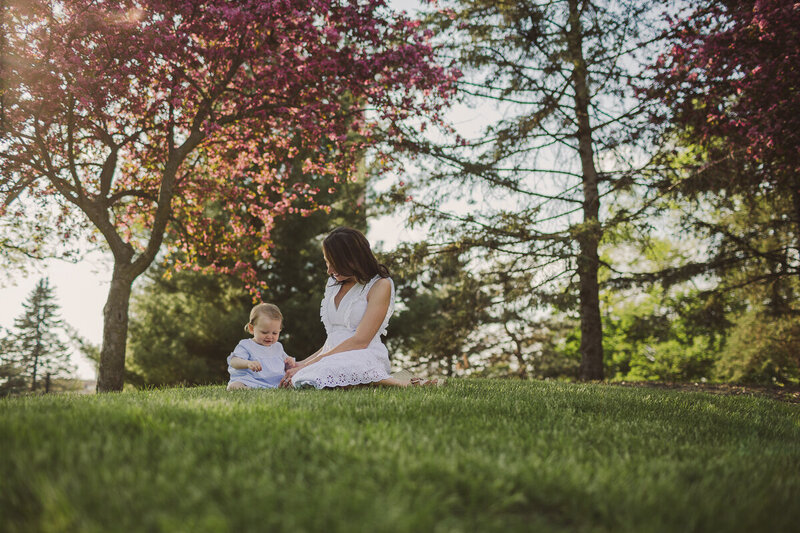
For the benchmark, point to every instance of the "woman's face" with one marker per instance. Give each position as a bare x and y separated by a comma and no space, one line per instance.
331,271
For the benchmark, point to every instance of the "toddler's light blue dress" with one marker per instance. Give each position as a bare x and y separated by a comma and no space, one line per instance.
355,367
272,359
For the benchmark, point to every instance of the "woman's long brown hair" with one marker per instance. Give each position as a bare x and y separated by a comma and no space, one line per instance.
349,254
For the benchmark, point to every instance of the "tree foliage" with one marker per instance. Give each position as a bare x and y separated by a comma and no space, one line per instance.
184,324
731,73
183,327
762,348
725,99
660,335
727,95
442,312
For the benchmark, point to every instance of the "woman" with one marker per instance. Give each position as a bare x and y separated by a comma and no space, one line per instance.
359,299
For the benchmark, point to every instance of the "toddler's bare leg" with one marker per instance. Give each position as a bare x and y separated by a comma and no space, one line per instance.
236,385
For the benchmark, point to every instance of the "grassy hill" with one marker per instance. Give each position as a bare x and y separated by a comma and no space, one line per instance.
474,455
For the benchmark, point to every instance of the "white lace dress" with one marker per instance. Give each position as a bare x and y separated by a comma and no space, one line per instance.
355,367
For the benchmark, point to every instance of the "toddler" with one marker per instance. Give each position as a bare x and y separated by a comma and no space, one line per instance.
260,362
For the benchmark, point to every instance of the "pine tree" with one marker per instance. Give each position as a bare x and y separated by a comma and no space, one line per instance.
35,344
11,379
547,182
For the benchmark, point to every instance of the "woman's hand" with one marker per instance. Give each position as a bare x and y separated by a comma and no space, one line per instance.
286,382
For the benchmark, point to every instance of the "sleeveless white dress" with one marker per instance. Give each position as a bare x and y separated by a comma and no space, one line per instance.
355,367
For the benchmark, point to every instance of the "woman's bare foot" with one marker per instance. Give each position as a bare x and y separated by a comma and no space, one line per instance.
422,382
413,382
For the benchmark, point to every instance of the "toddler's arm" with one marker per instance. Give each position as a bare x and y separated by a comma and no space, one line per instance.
244,364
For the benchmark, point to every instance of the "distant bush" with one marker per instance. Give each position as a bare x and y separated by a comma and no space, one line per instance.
762,349
673,360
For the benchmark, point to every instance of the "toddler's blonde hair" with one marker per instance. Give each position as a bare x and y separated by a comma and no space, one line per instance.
270,311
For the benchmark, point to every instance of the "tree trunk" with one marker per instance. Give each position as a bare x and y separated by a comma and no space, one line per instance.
796,205
523,366
37,350
518,353
588,235
111,375
35,370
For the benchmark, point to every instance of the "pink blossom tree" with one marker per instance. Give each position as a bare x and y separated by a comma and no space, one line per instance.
726,90
730,81
128,121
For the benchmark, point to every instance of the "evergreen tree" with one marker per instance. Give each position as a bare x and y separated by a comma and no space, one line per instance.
35,346
441,313
11,379
543,182
182,328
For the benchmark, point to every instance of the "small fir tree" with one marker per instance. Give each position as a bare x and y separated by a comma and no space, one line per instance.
35,344
11,378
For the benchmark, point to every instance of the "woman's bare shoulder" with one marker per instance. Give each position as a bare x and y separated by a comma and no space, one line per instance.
382,288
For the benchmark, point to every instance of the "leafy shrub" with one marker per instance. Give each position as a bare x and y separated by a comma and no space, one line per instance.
762,348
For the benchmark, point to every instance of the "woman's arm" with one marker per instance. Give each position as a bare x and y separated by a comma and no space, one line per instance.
378,299
313,358
286,381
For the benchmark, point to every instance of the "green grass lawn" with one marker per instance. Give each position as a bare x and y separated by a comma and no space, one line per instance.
474,455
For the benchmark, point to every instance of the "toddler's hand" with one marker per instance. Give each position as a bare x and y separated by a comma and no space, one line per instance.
289,362
286,382
255,366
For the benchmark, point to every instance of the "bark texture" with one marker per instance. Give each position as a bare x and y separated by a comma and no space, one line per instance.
588,233
111,375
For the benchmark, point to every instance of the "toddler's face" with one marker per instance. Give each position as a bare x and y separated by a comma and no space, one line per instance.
265,330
